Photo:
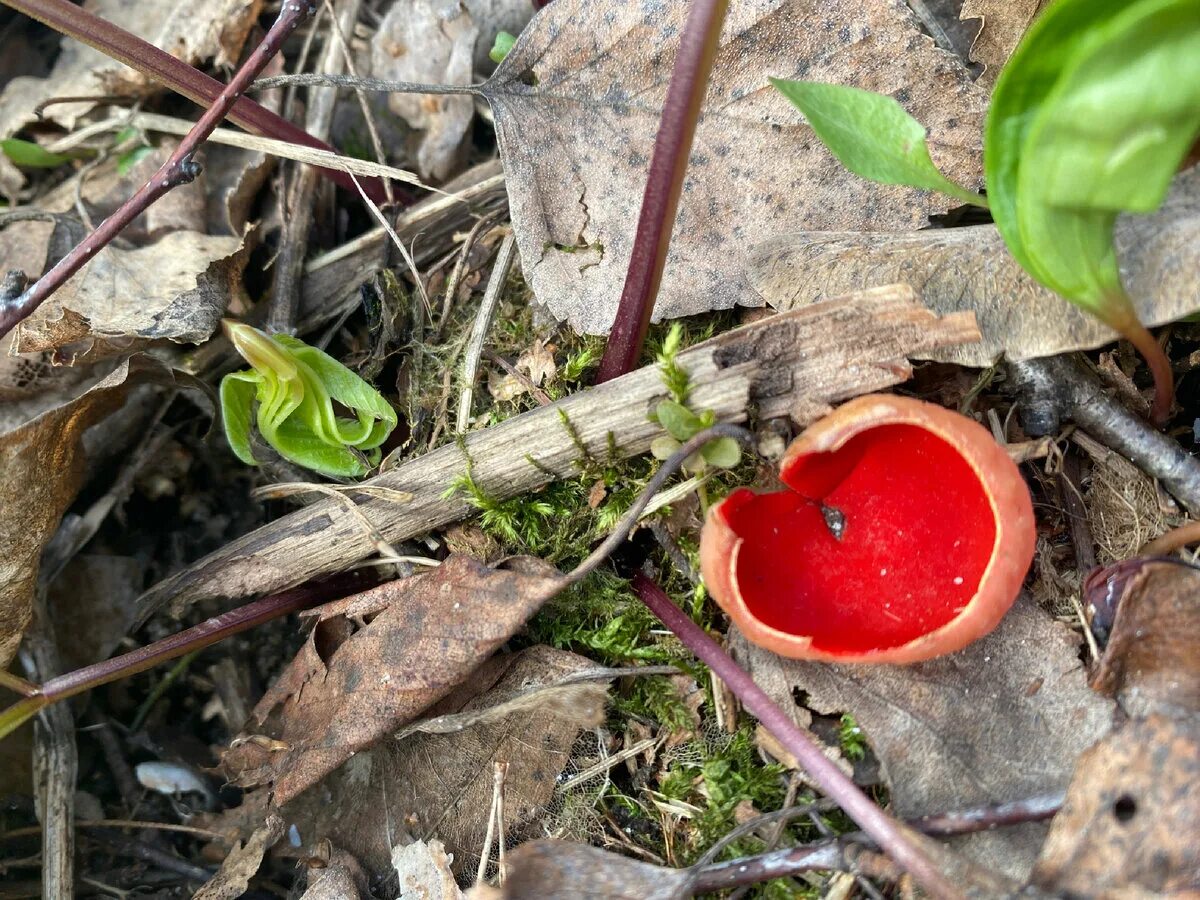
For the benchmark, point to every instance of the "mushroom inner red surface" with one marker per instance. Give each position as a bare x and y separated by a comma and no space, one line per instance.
917,533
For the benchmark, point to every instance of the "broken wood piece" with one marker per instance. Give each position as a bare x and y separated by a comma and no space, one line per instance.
795,364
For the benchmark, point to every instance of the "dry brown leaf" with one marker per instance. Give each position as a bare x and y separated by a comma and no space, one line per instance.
1004,22
43,462
1003,719
970,269
440,785
1152,661
100,591
1131,819
429,41
342,878
423,870
192,32
349,686
176,288
242,863
550,870
577,105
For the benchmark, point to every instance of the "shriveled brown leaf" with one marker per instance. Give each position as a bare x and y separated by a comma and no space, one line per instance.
440,785
1003,719
557,870
1131,819
970,269
1004,23
423,870
348,686
577,105
242,863
42,462
175,289
192,32
1152,661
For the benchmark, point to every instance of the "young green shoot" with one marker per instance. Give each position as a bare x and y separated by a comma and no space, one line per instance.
290,392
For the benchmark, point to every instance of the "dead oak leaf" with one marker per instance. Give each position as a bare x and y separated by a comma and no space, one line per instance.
1003,719
970,269
542,869
440,784
193,32
577,105
349,685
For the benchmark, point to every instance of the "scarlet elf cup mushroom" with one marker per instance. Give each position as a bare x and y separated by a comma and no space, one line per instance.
905,533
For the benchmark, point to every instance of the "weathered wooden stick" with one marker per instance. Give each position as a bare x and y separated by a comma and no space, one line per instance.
794,364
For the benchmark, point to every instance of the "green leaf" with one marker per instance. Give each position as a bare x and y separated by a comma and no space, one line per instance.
296,388
502,47
29,155
1092,116
871,135
237,400
679,421
724,453
126,161
664,446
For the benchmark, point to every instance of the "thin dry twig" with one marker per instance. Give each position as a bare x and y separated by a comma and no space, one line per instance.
483,324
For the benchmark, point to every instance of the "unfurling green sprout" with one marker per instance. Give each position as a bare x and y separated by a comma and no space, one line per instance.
293,388
1092,116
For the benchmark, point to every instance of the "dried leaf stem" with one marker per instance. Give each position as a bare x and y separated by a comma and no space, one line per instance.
77,23
664,184
180,168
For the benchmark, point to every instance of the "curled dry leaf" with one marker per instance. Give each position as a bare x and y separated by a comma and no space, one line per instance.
1030,714
43,466
342,878
440,784
1004,23
577,105
176,289
352,684
423,870
193,32
969,269
1129,826
242,863
1152,661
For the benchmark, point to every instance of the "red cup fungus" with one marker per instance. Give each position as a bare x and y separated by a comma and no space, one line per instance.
906,534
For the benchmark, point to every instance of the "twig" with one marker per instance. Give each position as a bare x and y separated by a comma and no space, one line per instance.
180,168
1060,388
76,22
988,816
664,184
456,274
882,828
374,85
161,858
298,202
483,324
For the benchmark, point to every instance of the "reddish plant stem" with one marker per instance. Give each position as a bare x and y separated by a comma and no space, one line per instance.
1160,367
180,168
77,23
881,827
187,641
660,202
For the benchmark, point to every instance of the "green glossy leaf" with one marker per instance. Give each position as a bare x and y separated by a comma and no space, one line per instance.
29,155
679,421
502,47
295,388
237,400
1092,116
871,135
724,453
